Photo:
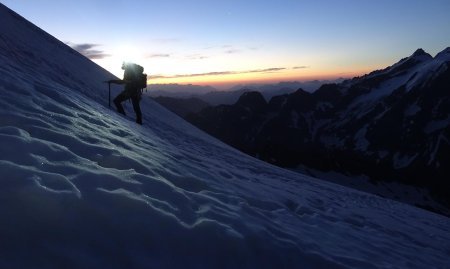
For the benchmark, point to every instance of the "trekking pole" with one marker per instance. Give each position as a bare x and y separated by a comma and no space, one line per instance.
109,94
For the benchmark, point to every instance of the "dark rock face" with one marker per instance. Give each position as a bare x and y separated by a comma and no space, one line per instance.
237,124
392,124
253,101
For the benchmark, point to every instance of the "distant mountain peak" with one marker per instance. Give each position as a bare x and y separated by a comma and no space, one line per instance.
444,55
418,57
446,50
420,53
252,99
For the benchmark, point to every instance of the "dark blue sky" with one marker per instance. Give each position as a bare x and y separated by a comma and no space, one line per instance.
223,42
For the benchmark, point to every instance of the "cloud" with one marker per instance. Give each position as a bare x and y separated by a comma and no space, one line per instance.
159,55
232,51
87,50
227,49
197,57
157,76
167,55
301,67
268,70
199,74
223,73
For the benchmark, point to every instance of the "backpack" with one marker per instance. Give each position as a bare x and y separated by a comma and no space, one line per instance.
141,77
137,75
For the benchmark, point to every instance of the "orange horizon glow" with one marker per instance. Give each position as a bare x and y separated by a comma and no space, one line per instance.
228,80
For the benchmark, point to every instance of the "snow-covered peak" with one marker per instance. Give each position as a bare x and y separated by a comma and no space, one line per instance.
443,55
411,72
81,186
421,54
417,58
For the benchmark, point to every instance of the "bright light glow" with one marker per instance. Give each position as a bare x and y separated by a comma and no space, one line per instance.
127,53
120,54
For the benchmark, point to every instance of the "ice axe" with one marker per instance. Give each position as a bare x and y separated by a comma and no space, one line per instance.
115,81
109,92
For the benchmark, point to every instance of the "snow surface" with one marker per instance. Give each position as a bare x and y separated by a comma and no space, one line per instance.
386,188
400,161
436,125
84,187
384,89
412,110
361,142
425,69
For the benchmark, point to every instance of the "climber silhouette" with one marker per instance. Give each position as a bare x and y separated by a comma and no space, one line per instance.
133,78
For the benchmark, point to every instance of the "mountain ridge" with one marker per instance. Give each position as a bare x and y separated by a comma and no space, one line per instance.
378,124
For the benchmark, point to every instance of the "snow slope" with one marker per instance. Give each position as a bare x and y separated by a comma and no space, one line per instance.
83,187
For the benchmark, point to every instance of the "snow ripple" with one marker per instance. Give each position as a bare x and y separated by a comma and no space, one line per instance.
85,187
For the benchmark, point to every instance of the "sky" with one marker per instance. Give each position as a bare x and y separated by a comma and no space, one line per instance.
223,43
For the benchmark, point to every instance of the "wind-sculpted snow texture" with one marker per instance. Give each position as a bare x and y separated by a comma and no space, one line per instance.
83,187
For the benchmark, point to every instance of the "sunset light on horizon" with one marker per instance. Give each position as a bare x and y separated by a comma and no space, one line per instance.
223,43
